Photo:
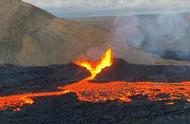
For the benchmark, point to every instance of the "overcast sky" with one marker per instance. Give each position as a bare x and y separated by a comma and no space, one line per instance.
66,8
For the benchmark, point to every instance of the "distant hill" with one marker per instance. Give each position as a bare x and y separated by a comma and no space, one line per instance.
31,36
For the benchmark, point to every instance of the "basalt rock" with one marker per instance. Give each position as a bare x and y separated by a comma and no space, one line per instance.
124,71
43,74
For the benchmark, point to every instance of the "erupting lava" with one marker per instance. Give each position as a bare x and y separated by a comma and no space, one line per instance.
102,92
96,67
125,91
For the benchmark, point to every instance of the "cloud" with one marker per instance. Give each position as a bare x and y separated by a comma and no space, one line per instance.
102,5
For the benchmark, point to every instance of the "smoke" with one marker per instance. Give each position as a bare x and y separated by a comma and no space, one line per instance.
154,33
127,30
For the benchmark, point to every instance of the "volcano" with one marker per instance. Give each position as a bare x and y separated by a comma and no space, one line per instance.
107,87
114,89
38,86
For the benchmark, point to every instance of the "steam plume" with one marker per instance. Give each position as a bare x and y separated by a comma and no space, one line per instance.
158,32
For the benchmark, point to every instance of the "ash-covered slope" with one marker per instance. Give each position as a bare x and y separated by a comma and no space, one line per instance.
31,36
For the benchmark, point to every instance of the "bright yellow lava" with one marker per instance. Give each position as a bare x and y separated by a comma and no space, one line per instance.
96,68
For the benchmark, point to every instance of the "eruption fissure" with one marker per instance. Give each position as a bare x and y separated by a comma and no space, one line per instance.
101,92
96,67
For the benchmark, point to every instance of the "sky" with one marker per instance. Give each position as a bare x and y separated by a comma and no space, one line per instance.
81,8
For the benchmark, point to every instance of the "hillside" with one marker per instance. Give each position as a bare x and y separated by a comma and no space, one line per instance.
31,36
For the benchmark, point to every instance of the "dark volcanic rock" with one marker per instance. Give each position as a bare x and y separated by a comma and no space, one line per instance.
19,79
45,74
66,109
123,71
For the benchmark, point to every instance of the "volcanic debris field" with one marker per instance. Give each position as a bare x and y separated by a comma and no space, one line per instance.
69,109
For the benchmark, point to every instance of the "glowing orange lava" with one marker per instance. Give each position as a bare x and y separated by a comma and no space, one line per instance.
124,91
96,68
102,92
15,101
113,91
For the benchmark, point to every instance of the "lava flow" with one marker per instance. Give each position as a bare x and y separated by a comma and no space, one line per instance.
16,101
101,92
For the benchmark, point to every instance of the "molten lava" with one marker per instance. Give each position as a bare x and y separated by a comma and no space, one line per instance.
125,91
96,67
14,101
102,92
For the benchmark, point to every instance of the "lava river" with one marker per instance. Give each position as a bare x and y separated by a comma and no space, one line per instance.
101,92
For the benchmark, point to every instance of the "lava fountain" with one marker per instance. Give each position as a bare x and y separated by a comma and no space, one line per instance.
96,67
101,92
